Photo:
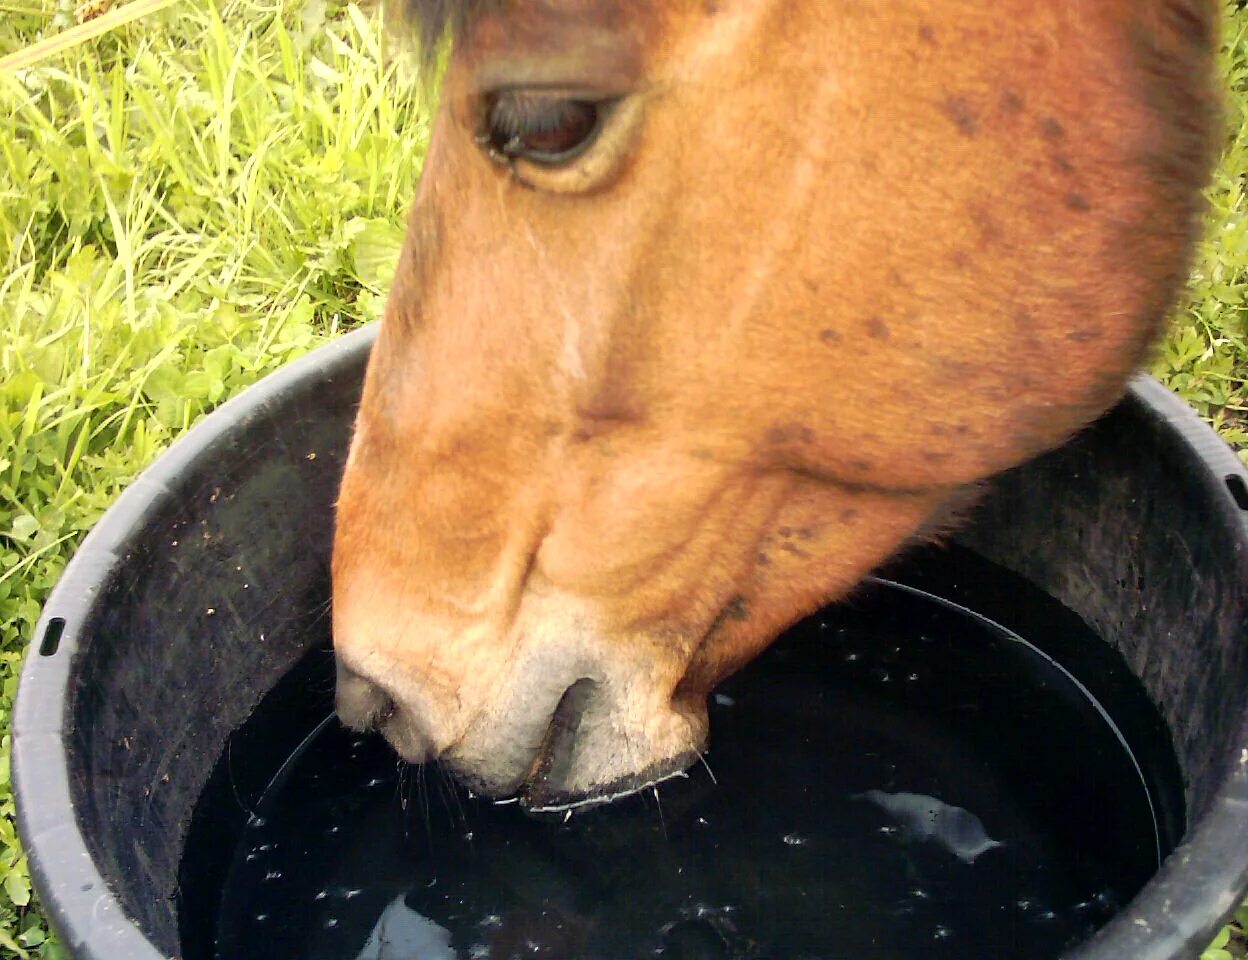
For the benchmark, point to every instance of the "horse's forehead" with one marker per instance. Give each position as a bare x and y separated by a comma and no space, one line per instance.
540,19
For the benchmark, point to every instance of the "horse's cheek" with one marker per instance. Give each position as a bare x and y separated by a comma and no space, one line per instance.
821,543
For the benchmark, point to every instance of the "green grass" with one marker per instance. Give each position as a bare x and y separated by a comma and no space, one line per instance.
203,197
200,197
1205,355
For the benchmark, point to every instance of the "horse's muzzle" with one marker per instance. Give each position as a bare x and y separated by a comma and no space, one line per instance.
363,706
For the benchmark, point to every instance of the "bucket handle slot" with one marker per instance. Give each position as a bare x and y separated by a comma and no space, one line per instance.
1239,489
52,636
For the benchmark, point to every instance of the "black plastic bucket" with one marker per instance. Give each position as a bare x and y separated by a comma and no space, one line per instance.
209,580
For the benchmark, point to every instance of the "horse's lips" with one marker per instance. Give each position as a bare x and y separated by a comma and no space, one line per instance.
538,801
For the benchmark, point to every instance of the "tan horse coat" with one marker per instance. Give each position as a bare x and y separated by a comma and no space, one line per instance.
818,269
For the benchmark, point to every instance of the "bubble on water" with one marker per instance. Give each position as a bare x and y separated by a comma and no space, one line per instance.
701,911
793,840
912,677
724,700
353,893
468,837
1025,905
273,875
852,658
888,831
942,933
331,923
251,856
375,782
255,822
322,894
490,921
1102,902
920,894
881,675
479,951
261,917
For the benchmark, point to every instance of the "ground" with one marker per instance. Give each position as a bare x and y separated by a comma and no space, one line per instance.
179,218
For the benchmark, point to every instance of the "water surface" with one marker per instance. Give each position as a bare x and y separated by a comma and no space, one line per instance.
897,778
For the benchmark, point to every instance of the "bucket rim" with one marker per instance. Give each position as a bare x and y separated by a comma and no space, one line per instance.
1173,918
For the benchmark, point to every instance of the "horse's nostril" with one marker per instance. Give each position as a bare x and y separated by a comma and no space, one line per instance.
361,704
554,757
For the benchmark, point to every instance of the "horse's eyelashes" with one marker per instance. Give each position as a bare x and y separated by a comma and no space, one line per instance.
544,128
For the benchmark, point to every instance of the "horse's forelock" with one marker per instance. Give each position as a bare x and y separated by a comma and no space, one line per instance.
432,20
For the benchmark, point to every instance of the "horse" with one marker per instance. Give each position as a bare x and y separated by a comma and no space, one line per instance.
707,308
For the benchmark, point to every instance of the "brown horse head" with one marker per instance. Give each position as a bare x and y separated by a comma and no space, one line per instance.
706,308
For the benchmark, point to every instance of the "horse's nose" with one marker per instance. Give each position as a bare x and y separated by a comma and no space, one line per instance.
364,706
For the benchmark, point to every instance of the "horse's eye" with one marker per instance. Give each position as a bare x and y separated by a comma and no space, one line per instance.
543,128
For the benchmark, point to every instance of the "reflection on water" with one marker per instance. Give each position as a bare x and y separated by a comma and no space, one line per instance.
926,818
403,934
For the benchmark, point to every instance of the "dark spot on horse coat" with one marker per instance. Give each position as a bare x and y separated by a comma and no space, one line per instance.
1011,102
1062,164
784,434
849,514
1052,129
926,33
959,110
1078,202
877,329
737,609
828,335
936,456
895,277
949,370
1085,335
794,549
990,230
